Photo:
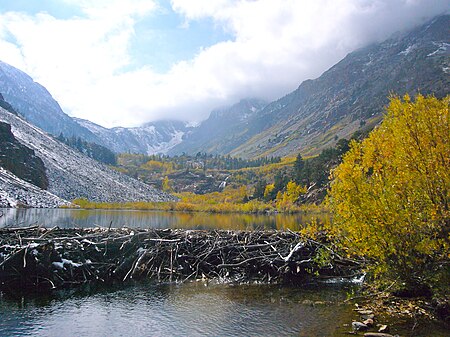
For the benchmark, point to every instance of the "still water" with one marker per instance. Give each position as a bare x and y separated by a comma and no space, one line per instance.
66,218
191,309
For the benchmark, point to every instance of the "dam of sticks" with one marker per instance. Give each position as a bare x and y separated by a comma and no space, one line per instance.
53,258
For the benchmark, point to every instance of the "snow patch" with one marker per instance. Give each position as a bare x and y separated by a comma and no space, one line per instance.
442,48
408,50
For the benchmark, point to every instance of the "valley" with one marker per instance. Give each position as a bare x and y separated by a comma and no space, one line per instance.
344,180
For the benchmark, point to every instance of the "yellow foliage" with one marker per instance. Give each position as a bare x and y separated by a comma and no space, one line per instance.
286,201
390,196
269,188
157,166
166,186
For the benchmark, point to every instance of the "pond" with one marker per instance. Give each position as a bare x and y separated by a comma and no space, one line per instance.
191,309
66,218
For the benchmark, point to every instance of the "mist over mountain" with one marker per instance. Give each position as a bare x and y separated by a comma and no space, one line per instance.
349,96
223,130
37,105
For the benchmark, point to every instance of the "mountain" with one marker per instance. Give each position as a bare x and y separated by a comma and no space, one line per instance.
151,138
16,192
73,175
348,97
222,131
20,160
36,104
352,94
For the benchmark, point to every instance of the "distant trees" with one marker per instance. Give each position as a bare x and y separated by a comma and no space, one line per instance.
92,150
317,170
166,185
312,172
209,161
391,195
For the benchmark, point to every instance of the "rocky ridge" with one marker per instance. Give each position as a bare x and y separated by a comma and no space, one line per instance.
352,94
20,160
151,138
15,192
36,104
72,175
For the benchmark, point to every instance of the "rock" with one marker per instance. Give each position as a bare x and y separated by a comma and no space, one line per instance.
364,312
21,160
358,326
72,175
368,322
377,334
364,317
383,328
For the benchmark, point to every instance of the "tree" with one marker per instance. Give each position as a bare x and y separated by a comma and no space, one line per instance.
390,196
259,189
299,163
290,197
268,191
166,186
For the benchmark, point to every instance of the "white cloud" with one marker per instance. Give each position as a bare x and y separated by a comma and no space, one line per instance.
276,44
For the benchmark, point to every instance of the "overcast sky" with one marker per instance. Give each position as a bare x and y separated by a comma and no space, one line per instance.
126,62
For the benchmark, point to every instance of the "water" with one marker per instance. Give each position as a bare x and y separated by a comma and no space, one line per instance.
66,218
192,309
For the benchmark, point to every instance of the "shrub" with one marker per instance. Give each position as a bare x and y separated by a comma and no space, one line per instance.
390,195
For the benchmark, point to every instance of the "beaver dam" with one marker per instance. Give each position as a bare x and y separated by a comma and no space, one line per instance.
46,259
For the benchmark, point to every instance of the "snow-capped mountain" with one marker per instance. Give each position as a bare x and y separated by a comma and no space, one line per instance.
151,138
221,132
352,94
72,175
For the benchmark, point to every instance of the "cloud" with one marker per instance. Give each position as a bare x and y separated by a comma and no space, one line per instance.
85,62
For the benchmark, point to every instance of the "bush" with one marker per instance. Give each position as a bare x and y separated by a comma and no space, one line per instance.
390,195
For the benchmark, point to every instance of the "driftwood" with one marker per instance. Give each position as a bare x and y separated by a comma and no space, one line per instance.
54,258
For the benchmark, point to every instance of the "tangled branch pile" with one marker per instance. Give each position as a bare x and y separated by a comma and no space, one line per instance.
54,258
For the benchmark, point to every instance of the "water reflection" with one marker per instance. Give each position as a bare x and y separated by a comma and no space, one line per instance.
67,218
181,310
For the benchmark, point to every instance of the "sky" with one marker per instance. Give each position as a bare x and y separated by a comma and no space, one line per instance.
128,62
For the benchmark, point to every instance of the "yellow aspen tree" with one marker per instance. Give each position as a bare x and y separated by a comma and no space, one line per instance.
390,196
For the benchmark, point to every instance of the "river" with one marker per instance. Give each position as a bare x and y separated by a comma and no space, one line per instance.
191,309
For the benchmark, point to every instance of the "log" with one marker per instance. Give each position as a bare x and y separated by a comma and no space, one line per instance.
56,258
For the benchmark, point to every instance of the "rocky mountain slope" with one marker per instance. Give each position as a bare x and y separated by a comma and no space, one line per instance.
151,138
36,104
15,192
222,131
72,175
20,160
351,94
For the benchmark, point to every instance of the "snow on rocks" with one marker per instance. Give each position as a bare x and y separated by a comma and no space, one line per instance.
16,192
73,175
